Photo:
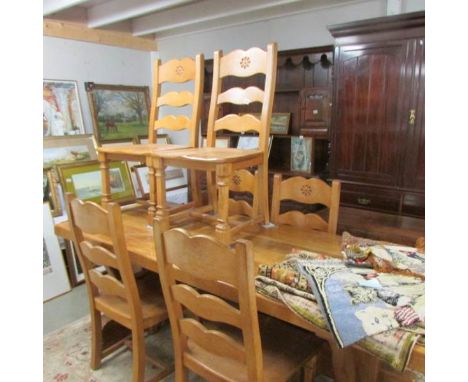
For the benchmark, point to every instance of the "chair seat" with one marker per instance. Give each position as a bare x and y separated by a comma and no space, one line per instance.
212,154
152,304
285,349
143,149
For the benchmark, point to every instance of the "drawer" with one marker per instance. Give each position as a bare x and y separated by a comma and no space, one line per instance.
370,198
413,204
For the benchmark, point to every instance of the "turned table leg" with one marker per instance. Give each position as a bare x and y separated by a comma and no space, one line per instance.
105,179
162,210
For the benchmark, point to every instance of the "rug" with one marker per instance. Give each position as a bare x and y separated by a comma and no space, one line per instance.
67,353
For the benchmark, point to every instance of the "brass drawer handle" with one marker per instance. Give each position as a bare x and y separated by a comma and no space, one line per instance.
363,201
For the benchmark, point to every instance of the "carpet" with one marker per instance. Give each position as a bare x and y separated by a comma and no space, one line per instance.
67,353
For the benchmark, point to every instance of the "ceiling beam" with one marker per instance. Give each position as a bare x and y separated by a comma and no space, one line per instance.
80,32
52,6
114,11
196,13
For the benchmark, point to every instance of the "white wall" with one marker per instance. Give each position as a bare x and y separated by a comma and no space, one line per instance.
83,62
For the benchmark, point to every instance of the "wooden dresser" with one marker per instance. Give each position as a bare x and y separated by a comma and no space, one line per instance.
377,130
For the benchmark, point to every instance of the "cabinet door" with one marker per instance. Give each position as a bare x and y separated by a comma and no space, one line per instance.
413,162
315,111
367,129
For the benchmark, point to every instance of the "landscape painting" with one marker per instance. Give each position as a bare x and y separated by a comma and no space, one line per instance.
62,150
84,180
61,113
120,113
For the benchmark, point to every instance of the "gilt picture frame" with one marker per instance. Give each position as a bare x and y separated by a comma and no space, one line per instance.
119,112
84,180
50,188
280,123
68,149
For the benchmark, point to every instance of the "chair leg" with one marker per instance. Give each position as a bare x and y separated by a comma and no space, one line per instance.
139,356
263,187
96,340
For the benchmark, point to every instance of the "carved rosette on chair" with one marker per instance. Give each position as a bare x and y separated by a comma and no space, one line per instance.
221,164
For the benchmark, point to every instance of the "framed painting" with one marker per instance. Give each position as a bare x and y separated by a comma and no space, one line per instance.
175,178
251,142
68,149
119,112
51,194
301,154
223,142
84,180
55,281
280,123
61,113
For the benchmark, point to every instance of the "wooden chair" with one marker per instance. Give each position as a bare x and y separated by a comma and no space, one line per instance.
243,181
228,343
308,191
116,294
222,162
173,71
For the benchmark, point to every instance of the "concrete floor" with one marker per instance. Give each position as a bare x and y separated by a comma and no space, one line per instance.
65,309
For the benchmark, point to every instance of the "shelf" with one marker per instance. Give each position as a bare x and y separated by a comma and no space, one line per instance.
292,90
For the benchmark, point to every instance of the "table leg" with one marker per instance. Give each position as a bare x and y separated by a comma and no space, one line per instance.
343,363
223,177
105,179
152,190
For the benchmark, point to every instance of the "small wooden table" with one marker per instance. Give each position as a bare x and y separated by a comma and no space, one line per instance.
270,246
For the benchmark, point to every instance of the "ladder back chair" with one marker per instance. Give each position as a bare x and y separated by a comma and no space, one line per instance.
218,340
172,72
116,294
220,163
307,191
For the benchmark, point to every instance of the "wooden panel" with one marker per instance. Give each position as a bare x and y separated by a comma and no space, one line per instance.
241,96
371,198
172,122
242,180
243,63
91,218
315,111
177,70
206,306
236,123
176,99
306,190
367,131
298,219
215,342
413,204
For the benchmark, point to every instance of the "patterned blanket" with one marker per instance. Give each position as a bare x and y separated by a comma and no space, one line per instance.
384,312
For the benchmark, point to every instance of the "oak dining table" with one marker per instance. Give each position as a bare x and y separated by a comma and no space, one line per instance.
270,245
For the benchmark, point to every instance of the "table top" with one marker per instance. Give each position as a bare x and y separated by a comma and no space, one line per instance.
211,154
141,149
270,245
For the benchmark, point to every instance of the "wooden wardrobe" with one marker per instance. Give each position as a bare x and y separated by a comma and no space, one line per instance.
377,130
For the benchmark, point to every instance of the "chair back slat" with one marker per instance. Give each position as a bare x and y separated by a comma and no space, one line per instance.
243,181
240,207
176,99
107,285
243,63
239,96
92,217
238,123
99,255
206,306
204,261
299,219
177,71
173,122
307,191
186,260
213,341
